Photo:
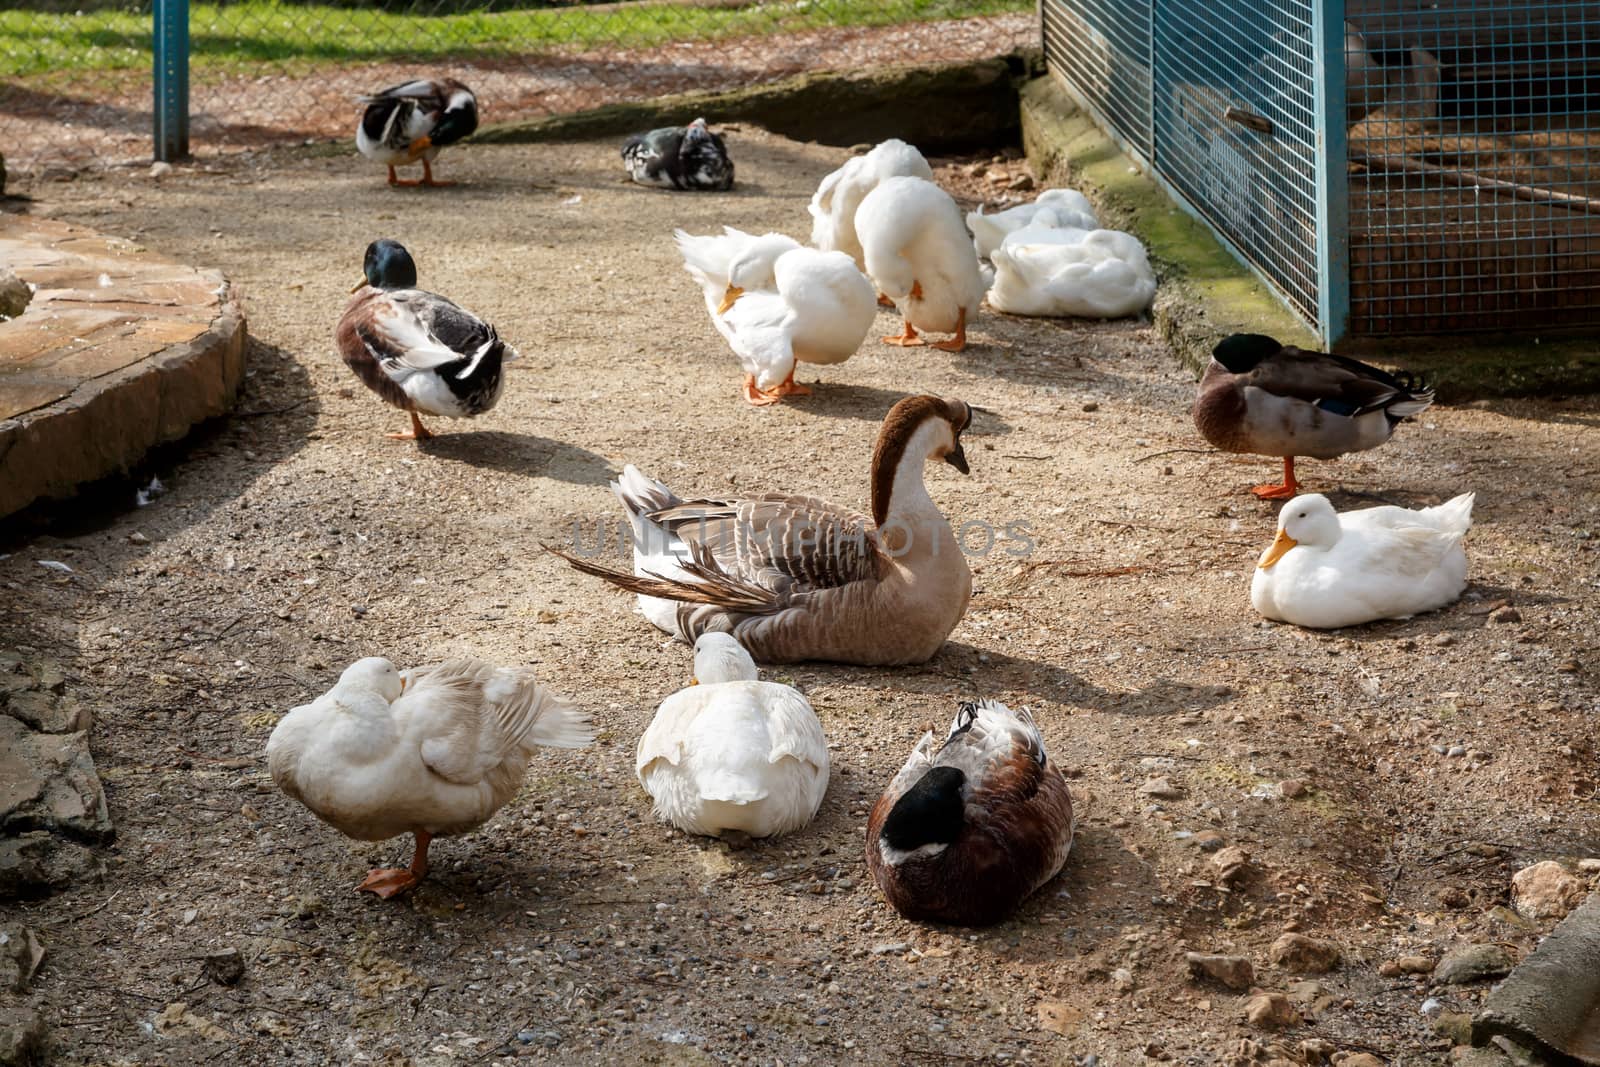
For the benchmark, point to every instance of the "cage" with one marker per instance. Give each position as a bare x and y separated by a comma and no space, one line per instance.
1388,166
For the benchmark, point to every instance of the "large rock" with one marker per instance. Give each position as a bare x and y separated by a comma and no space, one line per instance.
1299,954
1235,972
48,782
1473,963
1551,1002
1547,891
35,692
39,863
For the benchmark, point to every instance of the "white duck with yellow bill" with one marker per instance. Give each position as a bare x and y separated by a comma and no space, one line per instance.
1325,569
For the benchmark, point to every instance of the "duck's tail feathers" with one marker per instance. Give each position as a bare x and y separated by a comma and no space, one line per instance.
559,723
1454,515
1416,399
708,584
492,347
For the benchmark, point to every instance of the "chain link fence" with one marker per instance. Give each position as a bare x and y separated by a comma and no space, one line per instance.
76,83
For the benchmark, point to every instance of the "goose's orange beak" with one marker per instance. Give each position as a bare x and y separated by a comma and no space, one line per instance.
402,683
1280,544
693,680
729,299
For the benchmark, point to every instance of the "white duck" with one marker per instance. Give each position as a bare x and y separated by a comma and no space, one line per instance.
776,304
1067,206
833,207
1325,570
1050,268
431,752
919,255
731,753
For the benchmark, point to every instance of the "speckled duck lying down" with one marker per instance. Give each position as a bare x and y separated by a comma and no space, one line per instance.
972,826
1260,396
415,349
797,578
679,157
410,122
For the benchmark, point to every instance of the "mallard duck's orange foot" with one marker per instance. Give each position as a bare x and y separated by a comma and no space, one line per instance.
1276,492
388,882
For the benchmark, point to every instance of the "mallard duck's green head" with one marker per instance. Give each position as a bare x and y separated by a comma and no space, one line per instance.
389,266
1241,352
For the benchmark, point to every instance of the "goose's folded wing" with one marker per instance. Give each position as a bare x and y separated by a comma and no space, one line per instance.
763,336
1344,386
1404,553
794,728
779,540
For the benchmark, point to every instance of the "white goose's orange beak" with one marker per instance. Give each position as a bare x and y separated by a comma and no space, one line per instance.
729,299
402,683
1280,544
693,680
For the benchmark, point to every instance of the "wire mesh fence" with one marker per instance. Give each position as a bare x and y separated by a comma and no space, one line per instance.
76,85
1466,190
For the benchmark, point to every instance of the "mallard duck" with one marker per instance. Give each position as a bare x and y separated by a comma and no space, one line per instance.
410,122
430,752
1062,270
679,157
969,828
415,349
1067,207
797,578
919,255
1260,396
1326,569
777,303
733,754
833,206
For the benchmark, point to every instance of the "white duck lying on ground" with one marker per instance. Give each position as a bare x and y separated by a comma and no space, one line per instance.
833,207
1326,570
777,304
1047,269
1067,206
731,753
431,752
918,254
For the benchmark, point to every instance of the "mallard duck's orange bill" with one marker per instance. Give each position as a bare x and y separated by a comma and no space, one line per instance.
1280,544
729,298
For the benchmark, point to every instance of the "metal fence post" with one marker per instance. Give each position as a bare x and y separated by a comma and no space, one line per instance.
1333,172
171,79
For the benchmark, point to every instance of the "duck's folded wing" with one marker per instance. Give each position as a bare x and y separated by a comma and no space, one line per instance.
793,726
763,337
1404,553
1000,751
779,540
1344,386
411,330
417,89
444,707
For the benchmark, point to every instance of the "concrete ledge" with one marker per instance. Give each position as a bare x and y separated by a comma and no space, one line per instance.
1206,294
1551,1002
121,350
946,107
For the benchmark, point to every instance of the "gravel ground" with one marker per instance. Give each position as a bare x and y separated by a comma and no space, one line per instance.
295,538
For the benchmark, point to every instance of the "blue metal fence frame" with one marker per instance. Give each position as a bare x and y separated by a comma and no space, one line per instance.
171,104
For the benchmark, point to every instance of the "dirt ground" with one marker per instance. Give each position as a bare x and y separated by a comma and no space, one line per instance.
294,538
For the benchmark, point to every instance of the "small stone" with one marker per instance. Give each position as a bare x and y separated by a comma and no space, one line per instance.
1453,897
1208,840
1456,751
1022,183
1416,964
1232,863
1455,1025
1270,1011
1292,787
1547,891
14,294
1091,406
1235,972
1473,963
160,169
1389,969
1122,980
1304,955
1442,640
358,610
1589,866
1507,614
20,956
1160,789
137,538
891,946
1431,1006
225,967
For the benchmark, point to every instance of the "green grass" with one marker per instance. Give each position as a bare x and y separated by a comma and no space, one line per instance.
266,31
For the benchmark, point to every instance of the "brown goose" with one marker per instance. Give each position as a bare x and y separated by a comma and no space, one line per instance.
1260,396
797,578
415,349
967,831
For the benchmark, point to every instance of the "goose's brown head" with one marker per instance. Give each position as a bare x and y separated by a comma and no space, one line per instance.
936,423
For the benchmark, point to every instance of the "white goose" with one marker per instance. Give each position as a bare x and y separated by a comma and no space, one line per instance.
1051,269
731,753
1325,570
919,255
777,304
431,752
